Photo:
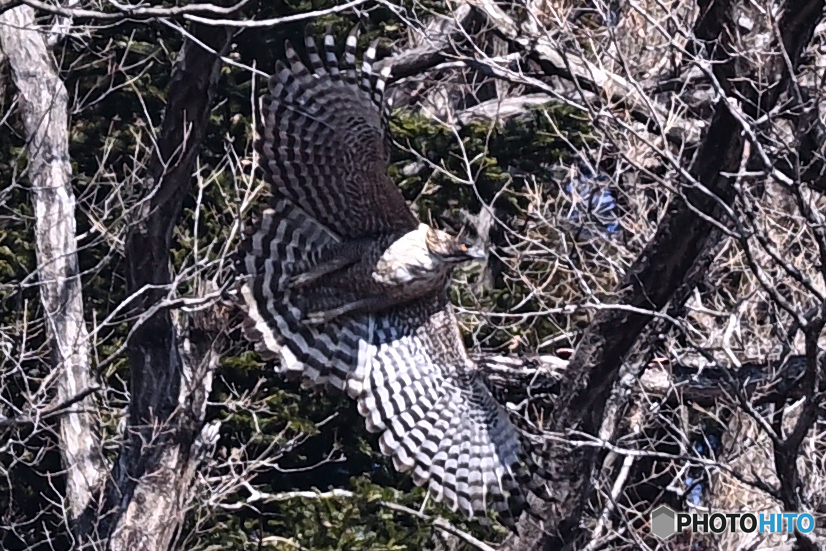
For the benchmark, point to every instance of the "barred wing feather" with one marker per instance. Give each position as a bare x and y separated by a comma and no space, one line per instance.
437,416
322,143
286,239
322,147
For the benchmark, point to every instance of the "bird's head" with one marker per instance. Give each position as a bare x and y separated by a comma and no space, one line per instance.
453,249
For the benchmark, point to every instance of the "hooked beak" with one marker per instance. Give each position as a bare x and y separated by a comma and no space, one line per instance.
476,252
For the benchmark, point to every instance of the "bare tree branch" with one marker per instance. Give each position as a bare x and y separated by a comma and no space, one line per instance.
126,10
614,88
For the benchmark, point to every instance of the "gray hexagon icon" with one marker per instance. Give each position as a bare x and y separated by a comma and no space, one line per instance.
663,522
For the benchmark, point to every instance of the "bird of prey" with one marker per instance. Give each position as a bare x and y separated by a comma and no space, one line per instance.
344,283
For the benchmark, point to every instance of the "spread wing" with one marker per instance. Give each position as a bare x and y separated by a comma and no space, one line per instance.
322,148
322,142
437,415
409,372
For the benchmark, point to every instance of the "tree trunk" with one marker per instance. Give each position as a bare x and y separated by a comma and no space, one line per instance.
145,498
658,272
43,108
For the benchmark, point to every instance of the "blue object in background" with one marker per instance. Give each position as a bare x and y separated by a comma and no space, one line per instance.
705,445
593,204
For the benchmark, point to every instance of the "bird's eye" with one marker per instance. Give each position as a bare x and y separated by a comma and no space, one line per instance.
464,248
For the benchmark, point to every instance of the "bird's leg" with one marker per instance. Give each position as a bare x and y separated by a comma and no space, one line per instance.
340,256
370,304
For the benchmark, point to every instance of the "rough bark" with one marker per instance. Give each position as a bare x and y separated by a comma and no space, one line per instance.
43,109
651,282
144,500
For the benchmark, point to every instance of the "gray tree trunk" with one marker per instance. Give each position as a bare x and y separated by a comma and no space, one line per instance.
146,494
43,108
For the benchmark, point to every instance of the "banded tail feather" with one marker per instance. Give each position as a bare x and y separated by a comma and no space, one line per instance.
286,243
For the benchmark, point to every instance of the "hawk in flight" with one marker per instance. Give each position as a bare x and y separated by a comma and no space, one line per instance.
342,281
